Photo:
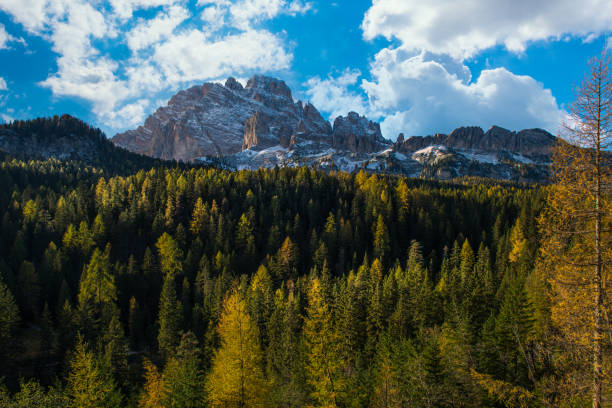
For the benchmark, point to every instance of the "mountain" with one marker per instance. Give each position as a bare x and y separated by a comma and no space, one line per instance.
68,138
222,120
260,125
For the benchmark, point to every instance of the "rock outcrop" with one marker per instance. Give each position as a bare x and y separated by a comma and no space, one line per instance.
536,143
220,120
357,134
260,125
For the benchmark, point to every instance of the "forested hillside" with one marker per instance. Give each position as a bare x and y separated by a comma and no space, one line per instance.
68,138
291,287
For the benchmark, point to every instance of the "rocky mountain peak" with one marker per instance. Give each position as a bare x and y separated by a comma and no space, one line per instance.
269,85
232,84
357,134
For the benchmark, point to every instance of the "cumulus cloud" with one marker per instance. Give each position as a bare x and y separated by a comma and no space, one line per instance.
244,14
420,95
462,28
191,55
3,86
125,8
148,32
333,95
421,84
6,38
170,48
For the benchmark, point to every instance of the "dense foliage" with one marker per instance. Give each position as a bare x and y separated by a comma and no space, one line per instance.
73,139
186,287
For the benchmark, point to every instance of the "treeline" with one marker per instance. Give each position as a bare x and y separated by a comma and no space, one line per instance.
278,288
72,139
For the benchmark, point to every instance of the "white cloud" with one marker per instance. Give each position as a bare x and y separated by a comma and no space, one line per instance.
163,55
461,28
32,14
6,38
131,115
3,86
420,95
149,32
125,8
193,55
6,118
214,17
244,14
332,95
422,85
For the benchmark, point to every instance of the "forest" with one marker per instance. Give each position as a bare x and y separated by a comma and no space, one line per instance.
132,282
284,287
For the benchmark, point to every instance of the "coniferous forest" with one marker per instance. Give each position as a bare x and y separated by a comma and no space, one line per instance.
142,283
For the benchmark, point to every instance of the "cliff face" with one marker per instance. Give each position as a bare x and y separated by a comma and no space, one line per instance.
536,143
260,125
220,120
357,134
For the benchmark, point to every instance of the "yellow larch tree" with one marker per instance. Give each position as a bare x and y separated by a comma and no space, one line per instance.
576,250
236,379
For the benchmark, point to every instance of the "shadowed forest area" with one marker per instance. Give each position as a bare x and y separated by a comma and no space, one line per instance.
166,285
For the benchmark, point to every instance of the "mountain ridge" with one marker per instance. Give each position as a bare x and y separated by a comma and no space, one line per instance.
260,125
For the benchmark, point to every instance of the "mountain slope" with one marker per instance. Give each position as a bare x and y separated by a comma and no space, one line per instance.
260,125
221,120
68,138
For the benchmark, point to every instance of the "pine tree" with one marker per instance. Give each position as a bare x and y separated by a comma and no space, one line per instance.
285,365
29,286
324,359
170,254
183,379
236,378
198,218
170,317
97,295
90,385
382,244
9,320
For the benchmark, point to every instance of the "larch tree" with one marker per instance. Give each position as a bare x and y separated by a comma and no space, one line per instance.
183,379
90,384
324,365
152,395
170,254
236,378
577,246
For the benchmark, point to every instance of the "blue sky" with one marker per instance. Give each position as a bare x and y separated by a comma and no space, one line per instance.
417,67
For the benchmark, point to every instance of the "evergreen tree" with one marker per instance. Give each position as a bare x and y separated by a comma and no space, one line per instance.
183,379
236,378
324,359
170,317
9,320
153,393
169,255
381,239
90,384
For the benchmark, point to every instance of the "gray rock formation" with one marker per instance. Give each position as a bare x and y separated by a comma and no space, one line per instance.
536,143
220,120
260,125
357,134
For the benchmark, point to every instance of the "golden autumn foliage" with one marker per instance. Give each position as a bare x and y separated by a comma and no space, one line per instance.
576,252
324,366
153,394
236,378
